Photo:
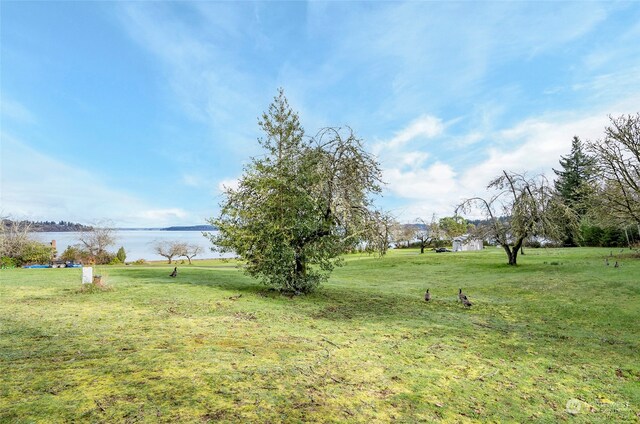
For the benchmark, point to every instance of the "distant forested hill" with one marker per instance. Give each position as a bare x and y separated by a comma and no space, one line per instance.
47,226
62,226
192,228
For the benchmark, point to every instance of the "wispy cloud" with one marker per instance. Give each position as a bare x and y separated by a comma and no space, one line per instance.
426,126
16,111
204,74
162,215
37,186
406,147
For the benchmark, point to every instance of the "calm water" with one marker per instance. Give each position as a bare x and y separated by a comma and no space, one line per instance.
138,244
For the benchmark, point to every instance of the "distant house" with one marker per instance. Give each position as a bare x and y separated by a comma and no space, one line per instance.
465,243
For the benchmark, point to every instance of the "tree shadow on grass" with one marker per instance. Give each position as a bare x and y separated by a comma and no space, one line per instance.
329,302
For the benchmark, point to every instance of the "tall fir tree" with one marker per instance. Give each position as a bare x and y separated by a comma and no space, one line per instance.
301,204
574,183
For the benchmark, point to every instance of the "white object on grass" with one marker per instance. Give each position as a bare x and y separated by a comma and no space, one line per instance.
87,275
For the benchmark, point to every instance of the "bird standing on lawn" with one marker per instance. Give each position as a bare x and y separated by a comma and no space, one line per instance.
463,298
427,296
174,273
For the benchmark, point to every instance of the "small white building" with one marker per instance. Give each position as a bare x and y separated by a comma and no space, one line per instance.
465,243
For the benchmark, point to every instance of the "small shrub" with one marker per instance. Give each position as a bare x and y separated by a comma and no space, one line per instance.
7,262
140,262
104,258
121,255
71,254
34,252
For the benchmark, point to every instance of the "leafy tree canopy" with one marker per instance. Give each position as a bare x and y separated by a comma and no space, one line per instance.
301,204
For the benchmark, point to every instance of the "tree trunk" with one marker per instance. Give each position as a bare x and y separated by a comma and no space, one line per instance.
300,270
627,236
510,255
513,259
422,248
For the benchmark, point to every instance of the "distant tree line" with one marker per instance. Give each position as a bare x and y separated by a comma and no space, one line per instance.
46,226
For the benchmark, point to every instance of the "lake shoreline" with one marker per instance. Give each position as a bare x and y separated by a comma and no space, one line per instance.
138,244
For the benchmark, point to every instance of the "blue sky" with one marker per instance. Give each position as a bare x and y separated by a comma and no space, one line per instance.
140,112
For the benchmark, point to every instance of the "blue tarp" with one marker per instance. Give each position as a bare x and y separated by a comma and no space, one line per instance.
49,266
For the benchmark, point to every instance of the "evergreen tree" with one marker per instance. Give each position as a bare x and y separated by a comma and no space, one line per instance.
574,183
121,255
300,205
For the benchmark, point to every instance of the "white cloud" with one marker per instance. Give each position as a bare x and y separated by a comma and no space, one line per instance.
402,150
531,146
230,183
435,181
36,186
16,111
204,75
426,126
162,215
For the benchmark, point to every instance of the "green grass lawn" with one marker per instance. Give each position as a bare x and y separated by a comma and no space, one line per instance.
559,332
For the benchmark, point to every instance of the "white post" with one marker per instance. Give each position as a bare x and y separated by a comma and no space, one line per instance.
87,275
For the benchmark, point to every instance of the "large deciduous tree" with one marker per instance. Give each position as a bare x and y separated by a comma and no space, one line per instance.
301,204
618,161
520,207
170,249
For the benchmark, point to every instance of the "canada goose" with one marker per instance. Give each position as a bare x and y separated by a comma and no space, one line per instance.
427,296
462,296
616,265
174,273
466,302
